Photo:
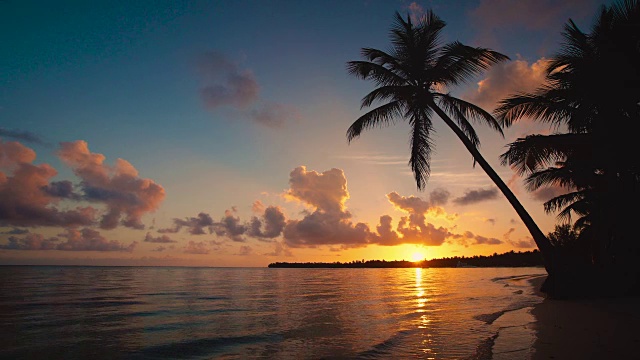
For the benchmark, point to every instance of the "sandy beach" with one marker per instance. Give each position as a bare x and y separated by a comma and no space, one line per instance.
603,328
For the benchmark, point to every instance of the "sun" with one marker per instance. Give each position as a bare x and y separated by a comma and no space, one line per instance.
417,256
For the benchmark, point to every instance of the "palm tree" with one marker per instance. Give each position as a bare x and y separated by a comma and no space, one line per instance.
593,88
410,80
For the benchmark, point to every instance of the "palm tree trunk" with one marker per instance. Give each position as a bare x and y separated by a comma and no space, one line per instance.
538,236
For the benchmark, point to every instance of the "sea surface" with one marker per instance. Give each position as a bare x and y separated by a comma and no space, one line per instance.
90,313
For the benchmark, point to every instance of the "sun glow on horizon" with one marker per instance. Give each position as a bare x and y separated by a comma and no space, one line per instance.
417,256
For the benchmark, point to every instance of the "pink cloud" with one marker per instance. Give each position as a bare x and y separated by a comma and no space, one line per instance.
27,195
127,196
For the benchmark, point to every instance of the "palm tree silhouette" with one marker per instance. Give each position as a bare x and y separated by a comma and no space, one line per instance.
593,88
410,82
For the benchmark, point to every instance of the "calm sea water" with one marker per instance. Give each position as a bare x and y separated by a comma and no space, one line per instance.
94,313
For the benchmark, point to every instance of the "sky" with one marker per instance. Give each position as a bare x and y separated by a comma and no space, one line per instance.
213,133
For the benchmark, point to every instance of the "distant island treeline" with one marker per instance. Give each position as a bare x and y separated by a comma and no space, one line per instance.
508,259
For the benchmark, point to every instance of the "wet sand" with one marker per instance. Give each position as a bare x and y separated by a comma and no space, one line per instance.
603,328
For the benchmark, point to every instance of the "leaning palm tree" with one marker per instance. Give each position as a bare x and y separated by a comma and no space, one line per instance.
410,80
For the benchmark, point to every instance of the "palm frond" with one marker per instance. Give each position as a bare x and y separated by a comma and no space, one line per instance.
470,111
385,93
421,148
381,116
367,70
459,63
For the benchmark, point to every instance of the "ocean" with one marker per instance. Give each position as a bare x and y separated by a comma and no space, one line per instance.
90,313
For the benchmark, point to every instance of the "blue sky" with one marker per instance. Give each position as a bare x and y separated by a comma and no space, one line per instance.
220,103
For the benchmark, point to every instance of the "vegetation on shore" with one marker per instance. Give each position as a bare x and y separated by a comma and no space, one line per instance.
508,259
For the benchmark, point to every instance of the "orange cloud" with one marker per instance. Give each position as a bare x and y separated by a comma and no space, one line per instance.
506,79
326,191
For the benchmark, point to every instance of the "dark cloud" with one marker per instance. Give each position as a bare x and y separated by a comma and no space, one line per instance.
273,115
476,196
439,197
226,83
159,239
76,240
195,225
468,238
526,243
273,220
61,189
491,221
548,193
15,231
230,226
21,135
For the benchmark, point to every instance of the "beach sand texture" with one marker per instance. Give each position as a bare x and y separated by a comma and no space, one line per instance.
602,328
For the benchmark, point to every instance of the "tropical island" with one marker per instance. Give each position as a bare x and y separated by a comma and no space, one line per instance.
507,259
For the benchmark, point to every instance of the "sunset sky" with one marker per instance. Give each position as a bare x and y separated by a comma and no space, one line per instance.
212,133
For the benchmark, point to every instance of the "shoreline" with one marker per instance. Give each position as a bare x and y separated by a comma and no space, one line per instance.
598,328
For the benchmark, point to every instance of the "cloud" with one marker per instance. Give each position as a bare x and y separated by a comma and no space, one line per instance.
15,231
127,196
245,250
326,191
273,114
31,242
330,223
76,240
227,84
413,228
280,249
548,193
506,79
159,249
28,197
468,238
230,226
476,196
160,239
526,243
322,228
195,225
199,248
532,14
21,135
273,220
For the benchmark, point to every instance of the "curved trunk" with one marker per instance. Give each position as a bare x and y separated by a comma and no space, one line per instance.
538,236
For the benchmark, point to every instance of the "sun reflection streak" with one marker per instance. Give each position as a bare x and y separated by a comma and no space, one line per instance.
424,321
